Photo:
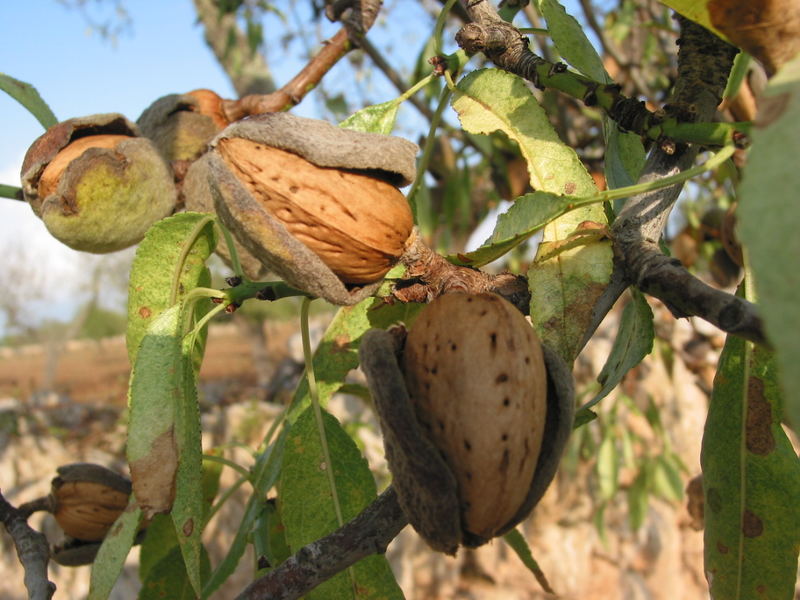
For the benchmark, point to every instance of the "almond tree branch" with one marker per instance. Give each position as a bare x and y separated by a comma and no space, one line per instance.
507,48
32,550
704,62
369,533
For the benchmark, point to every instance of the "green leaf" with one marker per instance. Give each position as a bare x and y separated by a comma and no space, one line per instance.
337,353
624,159
637,501
169,262
378,118
634,341
269,537
527,215
26,94
751,481
608,466
112,554
168,578
769,219
156,387
188,507
164,450
489,100
265,474
571,42
307,508
667,481
520,546
696,10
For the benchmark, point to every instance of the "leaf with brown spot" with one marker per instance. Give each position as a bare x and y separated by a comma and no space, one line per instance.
164,448
751,478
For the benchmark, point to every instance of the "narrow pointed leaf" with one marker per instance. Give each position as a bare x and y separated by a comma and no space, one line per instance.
751,481
527,215
769,219
188,507
634,341
307,508
156,388
112,554
168,578
26,94
169,262
571,42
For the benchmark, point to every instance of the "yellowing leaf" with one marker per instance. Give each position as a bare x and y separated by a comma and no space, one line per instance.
565,286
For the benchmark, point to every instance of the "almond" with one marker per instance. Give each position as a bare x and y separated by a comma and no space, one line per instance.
476,376
356,224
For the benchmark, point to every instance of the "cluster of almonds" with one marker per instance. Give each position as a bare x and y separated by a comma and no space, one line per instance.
475,411
317,204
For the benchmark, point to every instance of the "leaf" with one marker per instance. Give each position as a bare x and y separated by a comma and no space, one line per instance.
307,508
520,546
769,219
608,466
563,288
188,507
527,215
168,578
156,387
751,481
265,474
490,99
269,537
337,353
112,554
26,94
164,450
378,118
571,42
169,262
696,10
624,159
637,501
634,341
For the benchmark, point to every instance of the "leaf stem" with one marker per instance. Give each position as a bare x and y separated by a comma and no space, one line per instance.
234,254
181,262
649,186
228,463
11,192
427,150
314,393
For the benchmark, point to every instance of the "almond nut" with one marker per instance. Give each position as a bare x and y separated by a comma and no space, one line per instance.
475,373
355,223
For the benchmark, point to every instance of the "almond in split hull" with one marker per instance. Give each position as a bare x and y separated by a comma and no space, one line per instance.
475,373
356,224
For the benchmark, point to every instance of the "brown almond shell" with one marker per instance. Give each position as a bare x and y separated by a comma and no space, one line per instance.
265,236
426,487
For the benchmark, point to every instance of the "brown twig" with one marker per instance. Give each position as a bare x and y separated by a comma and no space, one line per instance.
294,91
429,275
369,533
32,550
